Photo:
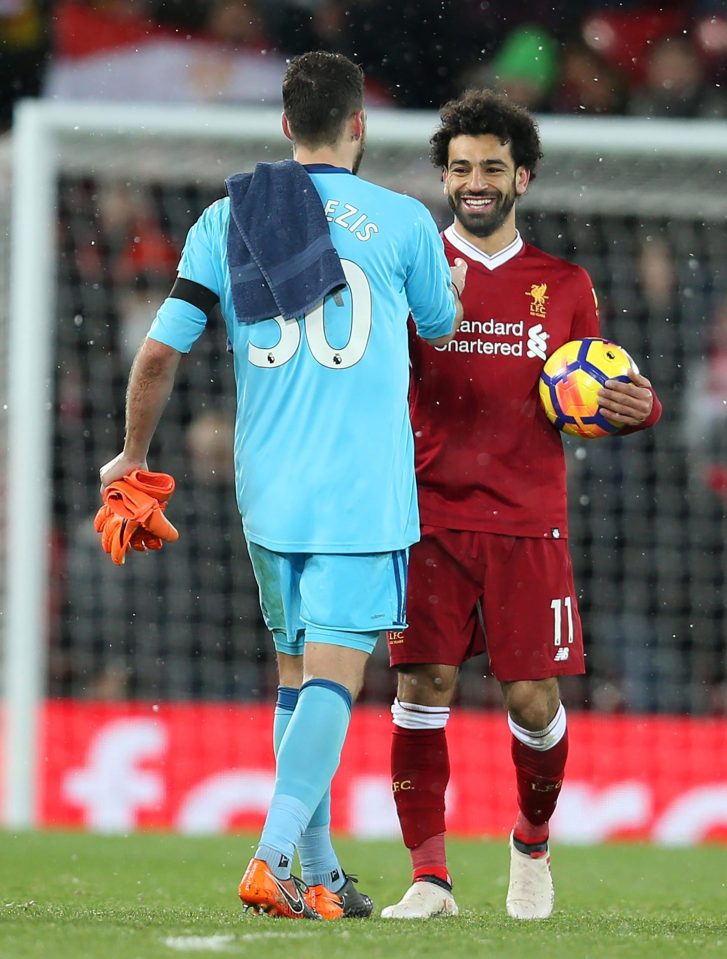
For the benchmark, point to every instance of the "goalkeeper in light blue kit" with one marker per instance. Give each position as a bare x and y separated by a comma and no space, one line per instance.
315,272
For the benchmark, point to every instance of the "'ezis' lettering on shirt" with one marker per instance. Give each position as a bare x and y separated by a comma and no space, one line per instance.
351,219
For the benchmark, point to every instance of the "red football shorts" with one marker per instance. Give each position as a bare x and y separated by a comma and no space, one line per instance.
510,596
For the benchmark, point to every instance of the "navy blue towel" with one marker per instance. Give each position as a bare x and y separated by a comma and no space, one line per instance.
279,248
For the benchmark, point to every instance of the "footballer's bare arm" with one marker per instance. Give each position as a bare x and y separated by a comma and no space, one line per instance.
150,385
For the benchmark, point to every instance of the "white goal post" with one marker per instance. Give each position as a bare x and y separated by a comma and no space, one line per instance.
592,166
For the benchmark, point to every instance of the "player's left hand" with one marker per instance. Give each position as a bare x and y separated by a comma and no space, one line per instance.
626,404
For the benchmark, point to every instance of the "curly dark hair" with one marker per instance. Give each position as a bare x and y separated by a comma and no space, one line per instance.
320,92
481,112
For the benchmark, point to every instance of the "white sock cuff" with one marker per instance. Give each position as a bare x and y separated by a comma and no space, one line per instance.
542,739
414,716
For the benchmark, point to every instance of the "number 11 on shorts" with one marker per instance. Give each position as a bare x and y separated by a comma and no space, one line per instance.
557,606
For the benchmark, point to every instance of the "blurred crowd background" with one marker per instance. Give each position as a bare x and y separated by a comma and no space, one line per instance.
649,519
590,56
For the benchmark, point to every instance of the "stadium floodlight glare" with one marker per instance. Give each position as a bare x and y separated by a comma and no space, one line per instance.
602,184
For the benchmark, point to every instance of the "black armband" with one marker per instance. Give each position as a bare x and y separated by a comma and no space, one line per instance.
194,293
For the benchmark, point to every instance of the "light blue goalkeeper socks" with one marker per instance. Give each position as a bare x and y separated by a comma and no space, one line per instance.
308,737
318,860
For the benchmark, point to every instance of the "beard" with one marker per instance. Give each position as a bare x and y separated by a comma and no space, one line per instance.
359,156
487,222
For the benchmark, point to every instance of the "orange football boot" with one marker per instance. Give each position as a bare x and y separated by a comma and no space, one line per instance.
354,904
261,891
326,903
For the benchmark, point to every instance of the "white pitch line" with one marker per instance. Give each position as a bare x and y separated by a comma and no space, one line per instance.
199,943
225,943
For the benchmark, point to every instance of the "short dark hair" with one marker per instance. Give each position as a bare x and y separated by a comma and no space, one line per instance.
481,112
320,92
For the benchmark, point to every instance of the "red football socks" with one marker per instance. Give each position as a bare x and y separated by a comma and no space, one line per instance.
539,779
430,859
420,773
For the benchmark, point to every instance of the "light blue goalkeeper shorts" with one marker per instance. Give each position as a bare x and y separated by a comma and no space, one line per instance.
341,599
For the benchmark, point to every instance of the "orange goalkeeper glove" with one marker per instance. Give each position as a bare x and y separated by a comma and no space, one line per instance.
118,535
132,516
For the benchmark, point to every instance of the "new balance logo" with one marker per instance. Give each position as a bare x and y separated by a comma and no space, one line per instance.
562,655
537,341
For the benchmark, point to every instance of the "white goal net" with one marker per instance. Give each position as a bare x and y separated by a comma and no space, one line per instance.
102,198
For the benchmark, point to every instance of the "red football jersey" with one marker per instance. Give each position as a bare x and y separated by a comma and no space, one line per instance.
487,458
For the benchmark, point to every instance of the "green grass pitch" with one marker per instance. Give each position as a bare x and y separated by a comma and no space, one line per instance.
152,896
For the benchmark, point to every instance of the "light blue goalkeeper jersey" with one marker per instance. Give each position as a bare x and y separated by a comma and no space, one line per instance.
324,457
